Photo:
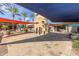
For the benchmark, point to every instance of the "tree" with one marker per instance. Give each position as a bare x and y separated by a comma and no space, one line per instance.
24,15
33,15
1,11
33,18
14,11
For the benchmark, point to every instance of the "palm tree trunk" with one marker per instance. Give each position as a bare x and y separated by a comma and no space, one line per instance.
33,22
24,24
13,23
34,19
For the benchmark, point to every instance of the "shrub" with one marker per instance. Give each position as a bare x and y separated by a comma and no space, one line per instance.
26,30
76,43
4,27
73,34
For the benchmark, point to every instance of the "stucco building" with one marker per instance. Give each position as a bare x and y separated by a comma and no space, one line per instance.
41,26
68,28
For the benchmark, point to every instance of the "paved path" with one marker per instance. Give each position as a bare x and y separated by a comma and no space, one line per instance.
32,44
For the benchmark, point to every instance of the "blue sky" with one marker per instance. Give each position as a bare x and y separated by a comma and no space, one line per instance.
28,12
57,11
21,9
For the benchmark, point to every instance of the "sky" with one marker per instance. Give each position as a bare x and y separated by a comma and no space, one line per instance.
21,9
58,12
28,12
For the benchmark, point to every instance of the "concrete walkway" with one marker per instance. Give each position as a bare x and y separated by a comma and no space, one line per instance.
31,44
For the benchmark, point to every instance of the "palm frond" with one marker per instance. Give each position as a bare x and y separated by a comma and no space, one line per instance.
9,9
32,15
1,12
6,4
18,14
13,10
19,18
24,14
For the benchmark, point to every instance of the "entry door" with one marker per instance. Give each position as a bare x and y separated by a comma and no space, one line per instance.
40,30
36,30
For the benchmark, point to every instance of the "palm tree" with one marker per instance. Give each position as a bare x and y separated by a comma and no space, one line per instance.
33,15
4,7
14,11
24,15
1,11
33,18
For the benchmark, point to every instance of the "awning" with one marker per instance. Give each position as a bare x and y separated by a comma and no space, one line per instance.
14,21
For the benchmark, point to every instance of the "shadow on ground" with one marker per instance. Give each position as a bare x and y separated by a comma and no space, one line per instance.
3,50
47,37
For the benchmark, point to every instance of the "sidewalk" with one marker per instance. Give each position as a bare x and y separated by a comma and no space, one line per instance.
39,45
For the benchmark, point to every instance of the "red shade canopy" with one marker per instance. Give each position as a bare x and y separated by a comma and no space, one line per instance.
14,21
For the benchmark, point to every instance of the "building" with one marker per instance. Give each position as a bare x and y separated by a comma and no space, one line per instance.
74,27
67,29
41,26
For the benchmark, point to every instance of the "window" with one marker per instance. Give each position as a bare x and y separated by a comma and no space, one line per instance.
43,22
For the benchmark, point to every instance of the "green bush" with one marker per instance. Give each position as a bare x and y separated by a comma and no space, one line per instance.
26,30
5,27
76,43
73,34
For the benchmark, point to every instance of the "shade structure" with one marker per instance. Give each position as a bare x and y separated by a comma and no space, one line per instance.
55,25
56,12
64,23
14,21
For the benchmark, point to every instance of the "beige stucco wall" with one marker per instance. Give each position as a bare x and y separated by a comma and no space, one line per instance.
38,19
70,28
